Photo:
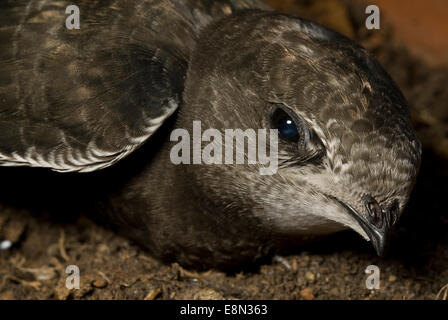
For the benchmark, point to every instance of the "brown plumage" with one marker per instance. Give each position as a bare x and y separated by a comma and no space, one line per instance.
81,100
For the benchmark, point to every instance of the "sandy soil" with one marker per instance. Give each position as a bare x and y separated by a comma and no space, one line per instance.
330,268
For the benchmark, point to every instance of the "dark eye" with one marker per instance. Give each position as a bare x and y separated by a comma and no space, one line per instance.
288,129
289,126
299,144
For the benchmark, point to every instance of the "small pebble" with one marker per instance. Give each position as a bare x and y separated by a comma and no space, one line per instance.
208,294
392,278
5,245
307,294
310,276
334,292
99,283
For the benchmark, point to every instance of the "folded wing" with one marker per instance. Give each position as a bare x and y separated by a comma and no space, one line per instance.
80,100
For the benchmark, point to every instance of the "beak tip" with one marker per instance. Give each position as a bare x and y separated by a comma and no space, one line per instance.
380,252
378,235
380,244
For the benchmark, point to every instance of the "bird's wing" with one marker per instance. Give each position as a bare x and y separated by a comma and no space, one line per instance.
80,100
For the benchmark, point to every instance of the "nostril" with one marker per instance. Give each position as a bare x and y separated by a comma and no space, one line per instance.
374,211
393,212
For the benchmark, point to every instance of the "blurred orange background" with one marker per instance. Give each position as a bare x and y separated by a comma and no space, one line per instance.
421,25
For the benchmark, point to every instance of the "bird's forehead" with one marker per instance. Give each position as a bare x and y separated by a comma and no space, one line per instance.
312,77
346,98
373,154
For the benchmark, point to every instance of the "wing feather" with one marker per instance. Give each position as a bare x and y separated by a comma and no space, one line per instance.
81,100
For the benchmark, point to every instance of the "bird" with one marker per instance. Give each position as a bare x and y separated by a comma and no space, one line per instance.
92,112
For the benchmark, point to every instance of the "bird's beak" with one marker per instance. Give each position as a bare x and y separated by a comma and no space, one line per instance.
378,234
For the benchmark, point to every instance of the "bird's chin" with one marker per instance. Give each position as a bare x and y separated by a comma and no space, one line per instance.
336,226
319,218
313,225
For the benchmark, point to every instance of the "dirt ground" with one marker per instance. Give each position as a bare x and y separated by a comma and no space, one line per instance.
332,267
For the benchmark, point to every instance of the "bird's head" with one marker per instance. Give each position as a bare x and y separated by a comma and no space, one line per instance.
347,154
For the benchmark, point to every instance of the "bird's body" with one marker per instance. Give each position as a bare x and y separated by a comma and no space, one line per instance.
83,100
